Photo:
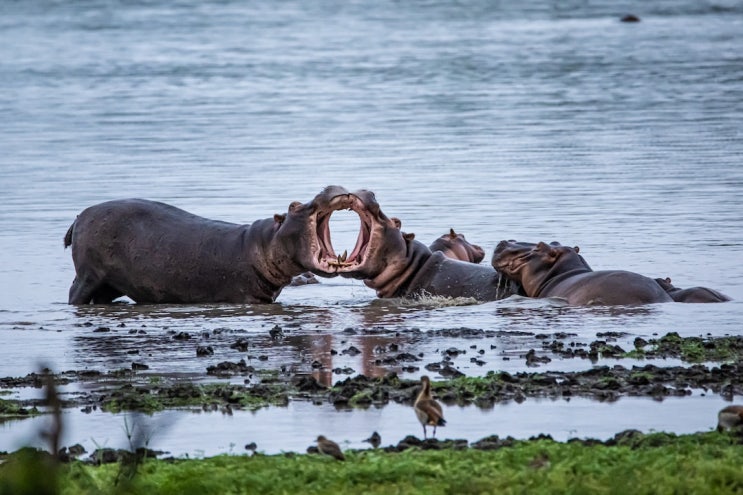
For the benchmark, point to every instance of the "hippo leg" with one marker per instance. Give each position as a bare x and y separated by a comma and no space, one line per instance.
84,291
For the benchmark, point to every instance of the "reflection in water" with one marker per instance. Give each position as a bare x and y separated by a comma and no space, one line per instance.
294,428
125,311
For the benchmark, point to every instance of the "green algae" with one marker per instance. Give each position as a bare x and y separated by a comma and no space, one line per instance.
690,349
14,409
153,398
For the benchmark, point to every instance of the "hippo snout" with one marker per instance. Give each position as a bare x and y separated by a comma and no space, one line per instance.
502,245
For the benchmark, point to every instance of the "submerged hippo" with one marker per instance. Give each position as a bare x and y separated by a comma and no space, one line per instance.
157,253
455,246
404,267
692,294
553,270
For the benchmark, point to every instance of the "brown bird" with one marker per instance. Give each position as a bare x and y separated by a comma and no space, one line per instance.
729,417
375,439
329,447
427,409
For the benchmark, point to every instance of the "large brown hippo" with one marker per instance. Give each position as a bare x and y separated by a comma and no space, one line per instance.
692,294
455,246
553,270
407,268
157,253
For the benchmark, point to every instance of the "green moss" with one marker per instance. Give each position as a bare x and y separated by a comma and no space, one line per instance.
361,399
13,409
691,349
150,399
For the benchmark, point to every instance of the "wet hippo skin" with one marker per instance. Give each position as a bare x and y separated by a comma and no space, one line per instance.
156,253
408,268
456,246
553,270
692,294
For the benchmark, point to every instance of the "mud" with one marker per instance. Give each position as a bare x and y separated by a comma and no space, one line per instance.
256,379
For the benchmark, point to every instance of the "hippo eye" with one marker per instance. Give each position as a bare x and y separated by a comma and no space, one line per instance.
294,206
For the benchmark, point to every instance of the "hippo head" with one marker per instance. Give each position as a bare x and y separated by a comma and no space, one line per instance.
376,234
457,247
533,265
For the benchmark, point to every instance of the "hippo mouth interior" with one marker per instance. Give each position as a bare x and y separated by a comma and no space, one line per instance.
327,259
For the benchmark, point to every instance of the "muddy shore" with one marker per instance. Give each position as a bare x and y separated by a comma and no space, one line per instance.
710,365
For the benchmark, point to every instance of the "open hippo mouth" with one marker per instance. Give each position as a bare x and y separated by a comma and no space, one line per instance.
324,256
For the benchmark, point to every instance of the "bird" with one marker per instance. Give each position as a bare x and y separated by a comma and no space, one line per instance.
375,439
329,447
729,417
427,410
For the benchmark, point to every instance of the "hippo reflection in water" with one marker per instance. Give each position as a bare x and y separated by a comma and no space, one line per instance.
157,253
554,270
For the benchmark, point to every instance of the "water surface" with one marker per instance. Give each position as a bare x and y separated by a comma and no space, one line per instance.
547,121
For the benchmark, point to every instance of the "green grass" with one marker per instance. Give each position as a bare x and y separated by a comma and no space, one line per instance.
705,463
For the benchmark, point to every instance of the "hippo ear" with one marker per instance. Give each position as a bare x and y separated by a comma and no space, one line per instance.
279,218
452,234
408,237
397,222
576,249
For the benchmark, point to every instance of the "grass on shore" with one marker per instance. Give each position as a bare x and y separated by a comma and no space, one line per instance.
707,463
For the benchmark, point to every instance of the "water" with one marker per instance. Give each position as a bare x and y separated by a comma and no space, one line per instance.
547,121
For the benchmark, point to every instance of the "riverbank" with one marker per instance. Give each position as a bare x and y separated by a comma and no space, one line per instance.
631,462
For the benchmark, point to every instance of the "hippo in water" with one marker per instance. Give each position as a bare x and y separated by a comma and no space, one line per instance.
455,246
553,270
692,294
157,253
404,267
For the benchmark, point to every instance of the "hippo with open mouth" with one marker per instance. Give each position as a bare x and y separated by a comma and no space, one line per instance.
156,253
457,247
691,294
404,267
553,270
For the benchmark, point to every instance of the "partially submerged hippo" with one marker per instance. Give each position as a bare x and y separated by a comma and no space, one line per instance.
455,246
553,270
157,253
404,267
692,294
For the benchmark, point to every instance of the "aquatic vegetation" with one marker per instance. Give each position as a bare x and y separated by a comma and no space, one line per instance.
13,409
690,349
150,399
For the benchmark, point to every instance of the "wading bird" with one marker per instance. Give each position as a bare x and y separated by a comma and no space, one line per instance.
427,410
329,447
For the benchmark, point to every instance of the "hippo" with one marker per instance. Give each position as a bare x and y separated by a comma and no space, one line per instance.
405,267
156,253
553,270
455,246
692,294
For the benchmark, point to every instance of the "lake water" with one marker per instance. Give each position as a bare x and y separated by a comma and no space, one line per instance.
545,121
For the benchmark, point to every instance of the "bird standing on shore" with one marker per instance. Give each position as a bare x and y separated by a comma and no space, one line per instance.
427,410
375,439
329,447
729,417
